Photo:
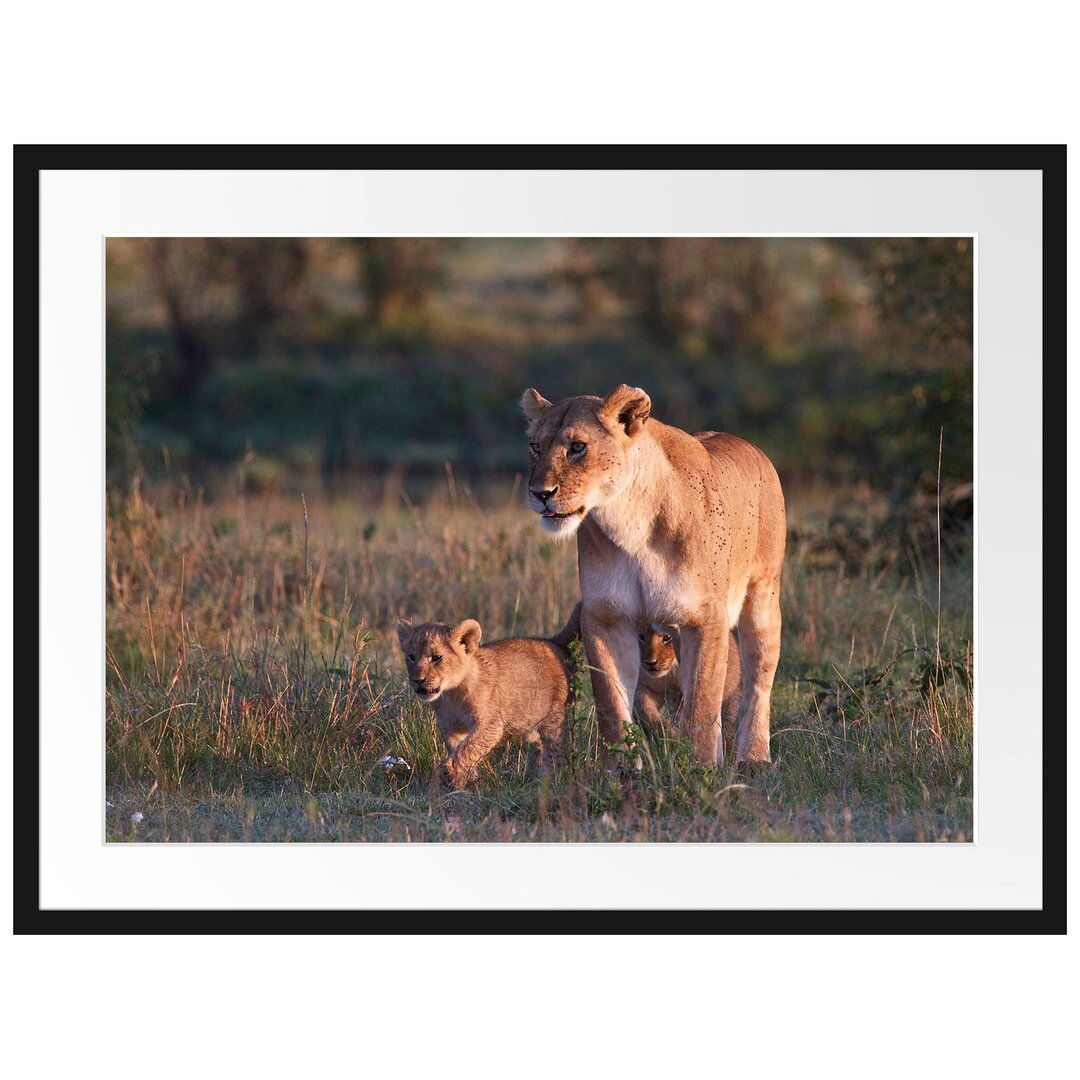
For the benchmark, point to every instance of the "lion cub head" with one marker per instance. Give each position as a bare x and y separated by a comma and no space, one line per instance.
437,656
657,650
579,452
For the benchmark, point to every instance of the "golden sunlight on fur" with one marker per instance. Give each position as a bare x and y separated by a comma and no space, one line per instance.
485,695
672,528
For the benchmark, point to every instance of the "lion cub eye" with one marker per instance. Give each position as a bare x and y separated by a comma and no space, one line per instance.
577,448
667,639
534,448
411,658
436,659
641,638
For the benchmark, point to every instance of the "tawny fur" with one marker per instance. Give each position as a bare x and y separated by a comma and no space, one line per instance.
672,528
660,681
485,695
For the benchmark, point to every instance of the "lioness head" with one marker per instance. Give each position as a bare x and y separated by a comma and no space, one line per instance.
657,649
437,656
578,452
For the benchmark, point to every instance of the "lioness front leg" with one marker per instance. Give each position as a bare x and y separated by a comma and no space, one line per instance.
759,647
611,647
703,665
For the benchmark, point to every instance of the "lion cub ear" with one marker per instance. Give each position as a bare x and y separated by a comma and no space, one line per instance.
467,635
629,406
404,631
534,405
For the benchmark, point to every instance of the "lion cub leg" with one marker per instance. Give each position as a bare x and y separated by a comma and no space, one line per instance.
460,768
552,732
759,645
648,704
538,750
453,733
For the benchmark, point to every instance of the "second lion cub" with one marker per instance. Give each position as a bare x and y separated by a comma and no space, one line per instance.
485,695
659,681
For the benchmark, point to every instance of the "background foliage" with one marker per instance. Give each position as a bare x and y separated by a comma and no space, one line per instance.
332,359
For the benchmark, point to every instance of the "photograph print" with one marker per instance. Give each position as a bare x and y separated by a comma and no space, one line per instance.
540,539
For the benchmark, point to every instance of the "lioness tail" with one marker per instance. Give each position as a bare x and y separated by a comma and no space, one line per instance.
572,630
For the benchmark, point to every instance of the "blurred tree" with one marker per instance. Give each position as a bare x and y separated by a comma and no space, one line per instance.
269,275
398,276
223,295
924,292
635,271
694,293
745,298
182,271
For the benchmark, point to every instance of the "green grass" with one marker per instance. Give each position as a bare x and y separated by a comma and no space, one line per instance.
250,697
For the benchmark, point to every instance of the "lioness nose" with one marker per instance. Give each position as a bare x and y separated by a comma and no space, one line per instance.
542,495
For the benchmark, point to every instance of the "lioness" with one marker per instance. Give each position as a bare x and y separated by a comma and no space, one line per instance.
660,682
485,695
671,528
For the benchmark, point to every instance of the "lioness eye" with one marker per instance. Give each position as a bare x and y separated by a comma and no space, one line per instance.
577,448
410,658
436,659
641,638
667,639
535,448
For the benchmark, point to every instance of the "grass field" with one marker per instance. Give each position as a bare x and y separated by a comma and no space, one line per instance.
253,678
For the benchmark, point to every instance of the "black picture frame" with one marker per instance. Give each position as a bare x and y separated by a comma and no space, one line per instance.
30,160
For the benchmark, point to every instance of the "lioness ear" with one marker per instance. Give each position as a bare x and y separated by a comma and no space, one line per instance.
534,405
404,629
467,634
628,406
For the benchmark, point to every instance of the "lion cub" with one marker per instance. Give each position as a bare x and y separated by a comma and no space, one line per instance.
485,695
659,681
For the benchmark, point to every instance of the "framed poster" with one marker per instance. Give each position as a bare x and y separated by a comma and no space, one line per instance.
301,378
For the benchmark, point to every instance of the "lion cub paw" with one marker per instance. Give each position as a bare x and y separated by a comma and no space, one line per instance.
455,778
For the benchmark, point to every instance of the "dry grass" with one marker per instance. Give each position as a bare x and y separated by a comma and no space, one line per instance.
251,691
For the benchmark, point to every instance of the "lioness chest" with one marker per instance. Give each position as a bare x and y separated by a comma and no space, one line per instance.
644,586
656,584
